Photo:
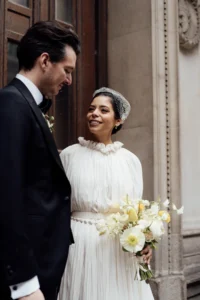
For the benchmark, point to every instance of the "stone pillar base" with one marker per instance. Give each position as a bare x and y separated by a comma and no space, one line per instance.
169,288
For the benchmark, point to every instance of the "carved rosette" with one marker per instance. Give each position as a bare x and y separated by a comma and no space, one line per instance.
189,23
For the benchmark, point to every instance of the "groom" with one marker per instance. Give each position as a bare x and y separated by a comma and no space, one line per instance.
35,229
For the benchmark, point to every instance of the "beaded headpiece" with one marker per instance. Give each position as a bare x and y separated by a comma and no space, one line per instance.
123,106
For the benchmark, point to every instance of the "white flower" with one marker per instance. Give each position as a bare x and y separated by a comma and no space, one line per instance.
133,240
179,211
157,229
115,223
117,218
174,207
154,208
101,226
143,224
166,203
164,215
123,218
145,202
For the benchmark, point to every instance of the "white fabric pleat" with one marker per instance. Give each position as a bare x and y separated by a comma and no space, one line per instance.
97,268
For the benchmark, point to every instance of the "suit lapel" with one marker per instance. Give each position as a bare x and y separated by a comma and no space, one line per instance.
40,118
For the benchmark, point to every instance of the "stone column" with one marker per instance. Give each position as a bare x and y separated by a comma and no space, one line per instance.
169,282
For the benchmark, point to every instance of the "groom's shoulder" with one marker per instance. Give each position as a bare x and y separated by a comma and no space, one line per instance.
12,102
10,88
10,93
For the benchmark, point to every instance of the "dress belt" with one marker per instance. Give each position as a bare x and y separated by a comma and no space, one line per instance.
88,217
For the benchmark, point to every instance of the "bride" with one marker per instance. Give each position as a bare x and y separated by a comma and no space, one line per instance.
101,173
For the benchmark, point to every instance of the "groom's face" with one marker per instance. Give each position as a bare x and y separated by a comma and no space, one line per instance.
59,74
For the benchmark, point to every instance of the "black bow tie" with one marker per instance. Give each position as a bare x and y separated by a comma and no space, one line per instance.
45,105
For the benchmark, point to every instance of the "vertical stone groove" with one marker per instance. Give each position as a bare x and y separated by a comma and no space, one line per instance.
167,123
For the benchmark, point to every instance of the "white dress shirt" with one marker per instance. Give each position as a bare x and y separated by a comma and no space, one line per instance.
28,287
33,89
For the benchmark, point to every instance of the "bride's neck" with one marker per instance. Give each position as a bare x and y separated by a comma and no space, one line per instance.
106,140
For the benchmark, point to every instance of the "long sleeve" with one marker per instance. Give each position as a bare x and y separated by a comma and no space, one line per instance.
135,168
138,167
16,254
66,156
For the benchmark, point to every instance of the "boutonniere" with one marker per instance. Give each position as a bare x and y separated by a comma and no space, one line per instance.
50,121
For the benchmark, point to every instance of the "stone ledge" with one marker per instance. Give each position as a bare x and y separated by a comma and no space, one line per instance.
191,278
191,233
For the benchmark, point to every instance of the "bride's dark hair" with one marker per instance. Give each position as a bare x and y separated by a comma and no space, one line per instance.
115,108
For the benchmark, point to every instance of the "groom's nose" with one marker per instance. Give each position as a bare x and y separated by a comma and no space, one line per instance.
68,79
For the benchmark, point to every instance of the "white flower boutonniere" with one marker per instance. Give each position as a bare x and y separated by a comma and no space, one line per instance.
50,121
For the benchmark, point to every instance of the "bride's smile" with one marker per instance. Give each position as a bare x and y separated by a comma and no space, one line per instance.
94,123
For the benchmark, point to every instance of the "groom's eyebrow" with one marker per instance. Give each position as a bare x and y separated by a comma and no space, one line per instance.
69,68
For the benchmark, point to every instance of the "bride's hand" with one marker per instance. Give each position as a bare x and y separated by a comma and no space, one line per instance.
147,254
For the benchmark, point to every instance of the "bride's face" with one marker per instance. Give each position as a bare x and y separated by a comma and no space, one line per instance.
101,116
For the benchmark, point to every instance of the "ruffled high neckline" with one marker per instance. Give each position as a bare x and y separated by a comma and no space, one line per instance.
105,149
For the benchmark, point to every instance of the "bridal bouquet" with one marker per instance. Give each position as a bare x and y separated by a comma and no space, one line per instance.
138,223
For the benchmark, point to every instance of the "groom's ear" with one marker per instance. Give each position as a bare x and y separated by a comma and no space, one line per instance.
44,60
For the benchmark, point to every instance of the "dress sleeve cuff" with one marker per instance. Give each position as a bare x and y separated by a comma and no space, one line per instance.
25,288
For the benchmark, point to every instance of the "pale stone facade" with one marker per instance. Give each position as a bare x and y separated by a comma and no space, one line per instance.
153,59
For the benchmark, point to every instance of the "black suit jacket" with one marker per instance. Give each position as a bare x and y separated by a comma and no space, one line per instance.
34,194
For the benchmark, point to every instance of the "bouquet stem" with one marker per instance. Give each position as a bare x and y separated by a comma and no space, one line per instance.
145,271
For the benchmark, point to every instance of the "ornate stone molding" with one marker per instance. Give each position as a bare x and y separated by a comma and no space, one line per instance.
189,23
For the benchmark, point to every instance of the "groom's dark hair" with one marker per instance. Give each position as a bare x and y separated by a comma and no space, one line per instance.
48,37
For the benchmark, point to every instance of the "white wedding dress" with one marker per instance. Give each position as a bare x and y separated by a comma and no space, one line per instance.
97,268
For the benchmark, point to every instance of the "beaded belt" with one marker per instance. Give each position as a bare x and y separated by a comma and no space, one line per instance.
87,217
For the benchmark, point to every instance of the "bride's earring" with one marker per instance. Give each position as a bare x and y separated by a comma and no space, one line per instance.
116,127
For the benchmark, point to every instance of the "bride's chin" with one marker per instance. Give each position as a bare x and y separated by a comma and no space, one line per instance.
93,130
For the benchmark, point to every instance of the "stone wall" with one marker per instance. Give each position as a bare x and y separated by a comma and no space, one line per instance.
130,72
143,59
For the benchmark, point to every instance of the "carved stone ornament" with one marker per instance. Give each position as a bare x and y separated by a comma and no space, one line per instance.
189,23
